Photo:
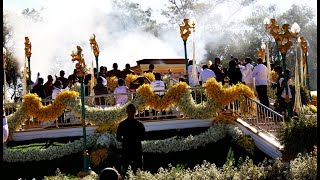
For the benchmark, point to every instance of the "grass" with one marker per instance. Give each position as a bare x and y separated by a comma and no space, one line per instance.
72,164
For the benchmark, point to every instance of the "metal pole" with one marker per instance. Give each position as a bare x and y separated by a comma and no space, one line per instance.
29,79
97,58
278,54
285,83
86,167
307,69
186,59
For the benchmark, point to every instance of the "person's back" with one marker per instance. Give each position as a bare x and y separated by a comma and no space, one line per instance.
48,86
131,132
217,69
100,89
233,73
39,89
114,72
127,71
63,80
158,85
206,74
121,89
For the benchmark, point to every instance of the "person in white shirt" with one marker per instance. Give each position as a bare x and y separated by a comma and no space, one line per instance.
247,70
193,81
283,104
121,89
5,128
260,73
158,84
206,74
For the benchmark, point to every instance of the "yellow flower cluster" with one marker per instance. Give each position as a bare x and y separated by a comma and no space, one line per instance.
226,116
110,127
112,82
98,155
225,96
274,76
34,107
130,78
156,102
150,76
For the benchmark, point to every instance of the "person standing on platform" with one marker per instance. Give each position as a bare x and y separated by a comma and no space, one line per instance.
121,89
260,73
247,69
127,71
39,89
63,80
131,132
233,73
114,72
206,74
217,69
151,69
193,81
48,86
100,89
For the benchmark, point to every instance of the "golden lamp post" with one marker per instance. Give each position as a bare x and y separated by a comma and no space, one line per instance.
95,48
80,72
4,57
27,49
185,32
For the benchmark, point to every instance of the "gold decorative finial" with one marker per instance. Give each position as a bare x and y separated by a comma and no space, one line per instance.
81,65
27,45
185,29
303,45
94,45
284,39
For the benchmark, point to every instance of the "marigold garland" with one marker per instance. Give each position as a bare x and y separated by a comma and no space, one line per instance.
130,78
98,155
150,76
156,102
112,83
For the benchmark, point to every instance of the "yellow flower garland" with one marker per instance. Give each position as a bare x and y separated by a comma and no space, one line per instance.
35,108
130,78
112,82
156,102
150,76
225,96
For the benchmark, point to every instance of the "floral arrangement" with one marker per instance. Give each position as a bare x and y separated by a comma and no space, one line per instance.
226,116
130,78
177,94
156,102
274,76
112,83
98,155
150,76
53,152
103,141
36,109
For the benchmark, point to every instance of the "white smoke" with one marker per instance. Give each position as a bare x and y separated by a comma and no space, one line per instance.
72,23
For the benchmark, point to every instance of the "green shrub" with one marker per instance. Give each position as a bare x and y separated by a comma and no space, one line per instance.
299,135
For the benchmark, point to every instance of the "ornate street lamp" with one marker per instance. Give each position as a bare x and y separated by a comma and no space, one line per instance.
185,32
27,49
4,57
284,45
274,30
80,72
95,48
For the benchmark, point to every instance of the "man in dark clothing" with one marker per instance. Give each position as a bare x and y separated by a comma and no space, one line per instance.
63,80
39,89
233,73
48,86
126,71
100,89
217,69
130,132
151,68
114,72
